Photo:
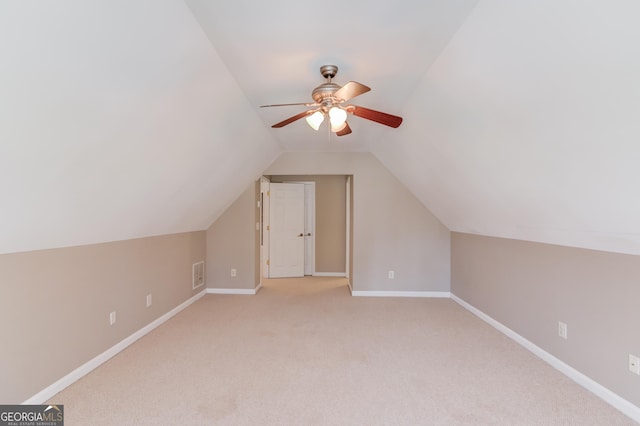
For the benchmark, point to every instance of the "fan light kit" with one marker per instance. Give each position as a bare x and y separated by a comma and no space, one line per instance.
329,98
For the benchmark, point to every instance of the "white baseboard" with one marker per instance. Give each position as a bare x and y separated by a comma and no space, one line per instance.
248,291
91,365
329,274
432,294
591,385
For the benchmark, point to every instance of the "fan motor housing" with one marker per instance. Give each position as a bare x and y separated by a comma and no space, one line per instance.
324,92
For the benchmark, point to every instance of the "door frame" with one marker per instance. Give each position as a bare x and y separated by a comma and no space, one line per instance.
265,221
263,204
347,262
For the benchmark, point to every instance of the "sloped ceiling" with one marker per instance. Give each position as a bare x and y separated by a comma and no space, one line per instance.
123,119
274,49
527,126
118,120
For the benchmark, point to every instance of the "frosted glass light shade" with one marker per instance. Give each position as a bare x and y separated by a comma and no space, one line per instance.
337,116
315,120
338,127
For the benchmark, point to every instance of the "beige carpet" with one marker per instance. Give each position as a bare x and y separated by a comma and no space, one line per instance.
304,352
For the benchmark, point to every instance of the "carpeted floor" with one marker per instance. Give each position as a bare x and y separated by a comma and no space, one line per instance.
304,352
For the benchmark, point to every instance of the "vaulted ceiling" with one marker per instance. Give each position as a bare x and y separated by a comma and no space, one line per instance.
129,118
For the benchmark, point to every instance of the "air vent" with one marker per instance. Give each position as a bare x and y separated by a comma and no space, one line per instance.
198,274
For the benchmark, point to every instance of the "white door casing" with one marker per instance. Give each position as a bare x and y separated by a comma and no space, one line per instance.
348,231
264,222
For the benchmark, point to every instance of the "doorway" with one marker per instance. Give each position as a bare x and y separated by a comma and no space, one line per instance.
328,219
326,232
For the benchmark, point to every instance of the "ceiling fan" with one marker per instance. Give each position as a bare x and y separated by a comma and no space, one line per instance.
329,99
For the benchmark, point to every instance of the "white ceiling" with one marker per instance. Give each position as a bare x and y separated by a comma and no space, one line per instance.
128,118
117,120
527,125
275,49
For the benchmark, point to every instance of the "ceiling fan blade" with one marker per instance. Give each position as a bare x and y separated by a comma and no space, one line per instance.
350,91
299,103
373,115
344,131
292,119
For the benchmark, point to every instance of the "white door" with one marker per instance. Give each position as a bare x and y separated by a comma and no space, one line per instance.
286,254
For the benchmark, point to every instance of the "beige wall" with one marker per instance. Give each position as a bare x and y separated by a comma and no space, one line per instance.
529,287
391,228
231,244
330,235
55,303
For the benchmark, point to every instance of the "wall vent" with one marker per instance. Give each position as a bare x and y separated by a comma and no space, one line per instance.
198,274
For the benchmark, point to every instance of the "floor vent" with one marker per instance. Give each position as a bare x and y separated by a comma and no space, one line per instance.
198,274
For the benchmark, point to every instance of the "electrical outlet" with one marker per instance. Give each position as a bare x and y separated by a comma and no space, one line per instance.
149,300
634,364
392,275
562,330
112,318
234,272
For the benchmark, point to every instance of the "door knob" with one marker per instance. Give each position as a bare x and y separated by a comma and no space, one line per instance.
301,235
309,234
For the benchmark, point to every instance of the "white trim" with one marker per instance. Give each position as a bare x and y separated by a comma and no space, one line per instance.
263,245
329,274
249,291
258,288
591,385
431,294
96,362
347,237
